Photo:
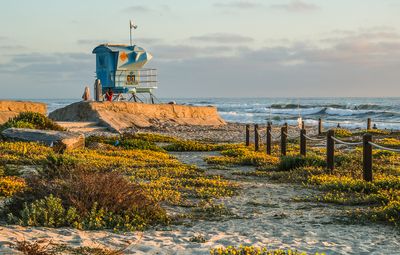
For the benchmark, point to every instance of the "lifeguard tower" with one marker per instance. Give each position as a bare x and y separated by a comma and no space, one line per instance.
119,67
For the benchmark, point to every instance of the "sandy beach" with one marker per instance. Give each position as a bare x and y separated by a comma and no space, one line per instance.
263,214
220,127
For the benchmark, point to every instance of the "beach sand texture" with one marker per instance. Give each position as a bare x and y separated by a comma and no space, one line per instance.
264,213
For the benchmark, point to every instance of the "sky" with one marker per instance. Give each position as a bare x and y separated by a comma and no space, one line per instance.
207,48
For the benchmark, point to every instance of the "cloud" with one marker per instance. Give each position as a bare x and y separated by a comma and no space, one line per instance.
137,9
56,75
92,41
53,65
11,47
147,40
161,9
369,34
222,38
339,68
242,4
139,40
296,6
184,52
8,45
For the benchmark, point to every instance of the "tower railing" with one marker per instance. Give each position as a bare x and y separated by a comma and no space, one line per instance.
142,78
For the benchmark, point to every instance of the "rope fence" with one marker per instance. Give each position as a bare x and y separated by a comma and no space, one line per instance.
384,148
346,143
275,137
313,139
329,141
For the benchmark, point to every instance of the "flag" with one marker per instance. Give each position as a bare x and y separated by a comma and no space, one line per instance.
132,25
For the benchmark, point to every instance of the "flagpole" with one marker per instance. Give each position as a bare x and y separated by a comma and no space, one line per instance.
130,31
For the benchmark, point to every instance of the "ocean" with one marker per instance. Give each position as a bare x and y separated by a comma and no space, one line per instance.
349,112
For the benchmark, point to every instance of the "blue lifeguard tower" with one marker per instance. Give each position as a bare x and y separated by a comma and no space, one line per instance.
119,67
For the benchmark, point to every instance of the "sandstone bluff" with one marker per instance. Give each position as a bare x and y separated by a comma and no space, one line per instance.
118,116
10,109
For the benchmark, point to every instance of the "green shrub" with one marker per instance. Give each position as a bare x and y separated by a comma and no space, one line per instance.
340,132
389,213
373,131
23,124
151,137
87,201
391,142
58,165
292,162
46,212
189,146
49,247
238,155
31,120
130,142
252,250
50,212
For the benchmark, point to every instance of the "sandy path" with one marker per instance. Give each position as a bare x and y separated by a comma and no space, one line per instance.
266,216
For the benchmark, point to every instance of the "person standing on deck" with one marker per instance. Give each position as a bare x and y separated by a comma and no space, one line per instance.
86,94
109,95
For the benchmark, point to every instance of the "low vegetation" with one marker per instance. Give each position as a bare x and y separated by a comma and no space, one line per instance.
31,120
148,141
243,156
9,185
44,247
380,198
252,250
128,182
109,185
85,201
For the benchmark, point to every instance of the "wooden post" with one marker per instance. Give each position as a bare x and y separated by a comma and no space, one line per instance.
284,130
319,126
367,158
269,138
256,138
330,150
303,142
369,124
302,125
247,135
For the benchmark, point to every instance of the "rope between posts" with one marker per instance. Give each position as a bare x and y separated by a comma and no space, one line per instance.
263,136
275,137
288,137
313,139
346,143
384,148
